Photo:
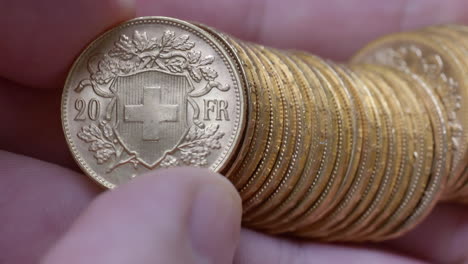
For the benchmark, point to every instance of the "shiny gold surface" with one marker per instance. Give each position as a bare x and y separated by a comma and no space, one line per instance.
335,152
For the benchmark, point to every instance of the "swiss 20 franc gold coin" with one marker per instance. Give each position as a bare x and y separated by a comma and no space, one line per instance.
153,92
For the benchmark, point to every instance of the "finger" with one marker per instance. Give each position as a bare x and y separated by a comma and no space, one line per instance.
441,238
40,39
334,28
38,202
255,248
181,215
32,123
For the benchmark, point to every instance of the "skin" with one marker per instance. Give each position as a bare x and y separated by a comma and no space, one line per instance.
50,213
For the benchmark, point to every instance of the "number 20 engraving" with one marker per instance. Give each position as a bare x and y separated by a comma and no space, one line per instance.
92,109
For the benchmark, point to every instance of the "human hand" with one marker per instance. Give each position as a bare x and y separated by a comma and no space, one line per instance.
181,215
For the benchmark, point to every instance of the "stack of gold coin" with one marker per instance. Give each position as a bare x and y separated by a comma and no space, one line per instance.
316,149
438,56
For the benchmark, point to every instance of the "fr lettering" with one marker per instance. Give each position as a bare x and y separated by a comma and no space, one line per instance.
216,108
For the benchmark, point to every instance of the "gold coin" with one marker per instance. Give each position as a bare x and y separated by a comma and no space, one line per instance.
288,149
321,183
416,55
240,175
400,51
384,157
398,187
337,184
283,186
395,167
250,96
355,199
358,152
420,160
346,168
236,174
370,173
152,92
311,179
433,181
275,124
455,41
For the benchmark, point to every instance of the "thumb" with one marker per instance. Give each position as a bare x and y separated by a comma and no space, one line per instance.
182,215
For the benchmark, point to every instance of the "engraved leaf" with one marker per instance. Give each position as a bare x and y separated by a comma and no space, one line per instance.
124,48
213,144
433,65
192,134
209,74
105,71
86,136
103,155
89,133
414,61
193,56
125,44
169,161
106,129
141,51
121,54
218,135
196,151
94,134
94,130
195,156
207,60
186,46
167,38
186,156
175,64
211,130
195,73
180,40
140,40
96,145
200,150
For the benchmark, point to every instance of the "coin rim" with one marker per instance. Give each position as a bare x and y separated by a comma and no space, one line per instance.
224,157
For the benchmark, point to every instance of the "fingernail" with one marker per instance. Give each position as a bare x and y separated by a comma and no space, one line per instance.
215,222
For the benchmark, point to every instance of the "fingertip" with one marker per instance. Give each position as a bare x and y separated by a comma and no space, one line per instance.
215,221
61,29
181,215
215,215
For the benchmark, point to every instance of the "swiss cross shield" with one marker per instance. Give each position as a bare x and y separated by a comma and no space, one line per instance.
145,106
151,112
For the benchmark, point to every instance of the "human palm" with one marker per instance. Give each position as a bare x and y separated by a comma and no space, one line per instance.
180,215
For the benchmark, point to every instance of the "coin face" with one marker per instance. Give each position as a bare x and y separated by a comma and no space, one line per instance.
152,93
422,56
315,149
454,40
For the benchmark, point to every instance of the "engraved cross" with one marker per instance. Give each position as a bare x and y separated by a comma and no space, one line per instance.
151,113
